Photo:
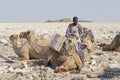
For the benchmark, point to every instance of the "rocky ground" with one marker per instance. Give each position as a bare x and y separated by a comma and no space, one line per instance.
97,66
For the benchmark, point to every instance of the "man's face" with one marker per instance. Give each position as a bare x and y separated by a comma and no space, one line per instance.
75,21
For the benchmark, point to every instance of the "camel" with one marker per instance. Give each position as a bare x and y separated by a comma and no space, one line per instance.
113,46
60,61
25,52
40,46
85,29
88,39
66,59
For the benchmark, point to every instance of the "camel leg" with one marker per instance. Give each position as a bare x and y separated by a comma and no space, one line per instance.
24,54
72,63
35,56
112,46
61,69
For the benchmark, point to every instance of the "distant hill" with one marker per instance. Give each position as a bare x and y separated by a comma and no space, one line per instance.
66,20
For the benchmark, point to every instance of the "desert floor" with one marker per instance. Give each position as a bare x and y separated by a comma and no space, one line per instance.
31,70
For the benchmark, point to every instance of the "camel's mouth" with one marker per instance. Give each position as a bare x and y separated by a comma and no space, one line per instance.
20,36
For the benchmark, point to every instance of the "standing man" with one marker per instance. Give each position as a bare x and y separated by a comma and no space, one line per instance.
75,31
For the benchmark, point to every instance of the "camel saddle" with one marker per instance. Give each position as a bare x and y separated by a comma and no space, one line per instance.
57,42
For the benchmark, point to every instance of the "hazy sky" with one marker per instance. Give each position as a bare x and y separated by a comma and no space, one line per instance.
42,10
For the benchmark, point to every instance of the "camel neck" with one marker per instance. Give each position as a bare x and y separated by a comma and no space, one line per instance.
15,44
32,39
34,44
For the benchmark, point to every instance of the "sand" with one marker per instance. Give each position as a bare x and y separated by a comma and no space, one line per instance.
103,33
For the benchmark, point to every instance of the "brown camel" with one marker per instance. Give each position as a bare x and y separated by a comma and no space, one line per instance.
25,52
40,46
68,60
113,46
87,39
71,54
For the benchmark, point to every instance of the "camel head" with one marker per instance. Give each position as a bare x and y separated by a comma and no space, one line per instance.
88,39
13,37
88,35
27,34
85,29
